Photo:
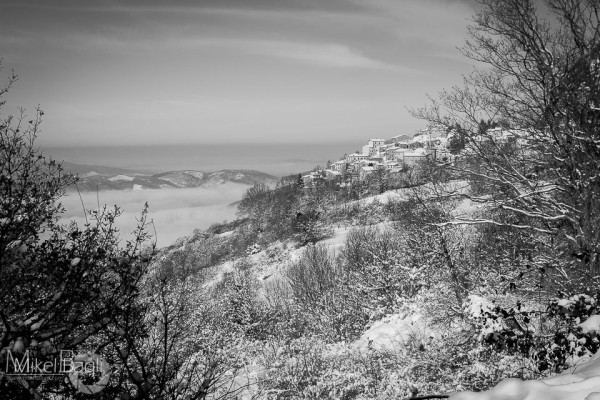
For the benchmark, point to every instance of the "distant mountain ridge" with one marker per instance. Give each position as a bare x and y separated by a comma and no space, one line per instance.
88,170
93,177
191,178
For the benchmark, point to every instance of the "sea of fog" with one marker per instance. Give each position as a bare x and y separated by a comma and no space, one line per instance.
175,212
178,212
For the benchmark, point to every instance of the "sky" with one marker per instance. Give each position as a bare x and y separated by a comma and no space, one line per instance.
125,72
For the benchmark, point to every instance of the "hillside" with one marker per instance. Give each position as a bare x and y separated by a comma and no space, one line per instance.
460,261
393,274
334,289
188,178
93,177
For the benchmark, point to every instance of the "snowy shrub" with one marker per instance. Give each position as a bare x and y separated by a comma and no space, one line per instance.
253,249
235,300
553,339
309,227
507,329
319,284
291,366
375,263
572,338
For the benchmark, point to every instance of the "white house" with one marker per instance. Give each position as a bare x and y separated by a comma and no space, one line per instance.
391,165
350,158
375,160
339,166
499,135
312,177
376,142
399,154
307,179
355,166
413,157
390,153
366,170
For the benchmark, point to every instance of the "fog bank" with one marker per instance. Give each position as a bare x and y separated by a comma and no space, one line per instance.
175,212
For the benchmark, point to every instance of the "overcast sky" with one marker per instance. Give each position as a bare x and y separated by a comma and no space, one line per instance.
221,71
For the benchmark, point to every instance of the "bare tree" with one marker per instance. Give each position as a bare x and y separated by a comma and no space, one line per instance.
539,74
61,287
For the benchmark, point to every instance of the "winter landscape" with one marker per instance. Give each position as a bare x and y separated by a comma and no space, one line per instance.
258,199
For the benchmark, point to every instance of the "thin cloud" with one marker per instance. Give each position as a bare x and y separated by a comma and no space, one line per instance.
326,55
133,6
270,70
331,55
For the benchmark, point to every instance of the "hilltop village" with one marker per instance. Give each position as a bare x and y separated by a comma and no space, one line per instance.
390,155
403,151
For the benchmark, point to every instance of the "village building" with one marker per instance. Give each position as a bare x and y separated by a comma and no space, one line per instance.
391,165
389,153
311,178
366,170
405,144
307,179
399,151
355,167
399,154
339,166
331,174
374,147
374,152
350,158
375,160
376,142
411,159
500,135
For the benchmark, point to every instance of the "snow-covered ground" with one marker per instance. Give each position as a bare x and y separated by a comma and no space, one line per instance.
581,382
121,178
392,333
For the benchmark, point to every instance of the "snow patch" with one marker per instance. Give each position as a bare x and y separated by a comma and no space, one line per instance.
592,324
579,383
121,178
393,332
195,174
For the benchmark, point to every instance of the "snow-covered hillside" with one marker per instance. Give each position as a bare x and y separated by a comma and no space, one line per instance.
348,293
581,382
93,178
